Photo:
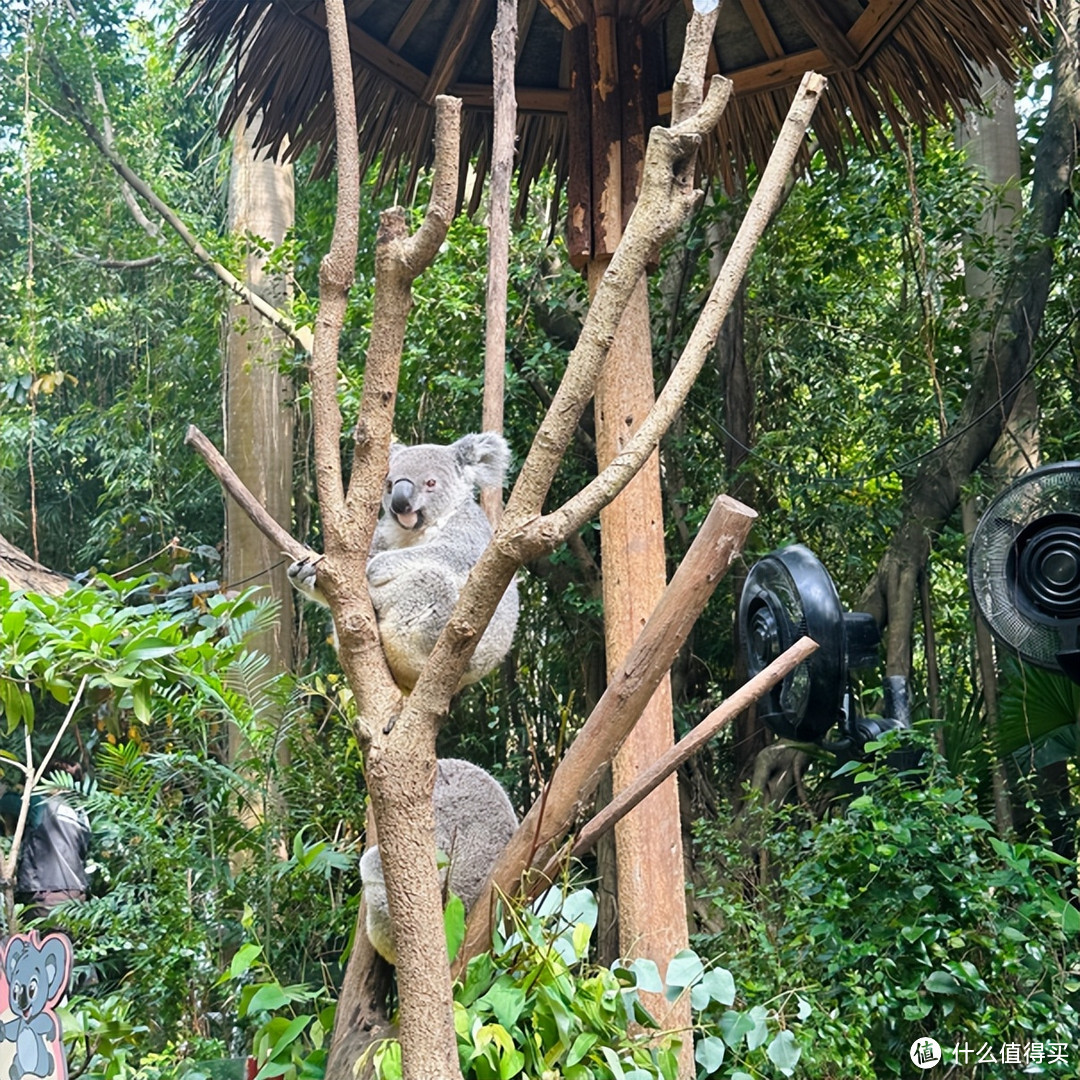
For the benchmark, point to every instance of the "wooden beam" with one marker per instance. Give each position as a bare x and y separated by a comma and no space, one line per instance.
407,24
459,36
529,98
570,13
763,28
775,73
605,117
819,25
771,75
579,201
876,23
373,54
526,14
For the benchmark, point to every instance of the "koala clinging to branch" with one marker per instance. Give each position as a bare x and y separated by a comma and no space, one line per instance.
428,538
474,821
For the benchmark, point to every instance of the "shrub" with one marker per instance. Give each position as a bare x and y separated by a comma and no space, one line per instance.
901,917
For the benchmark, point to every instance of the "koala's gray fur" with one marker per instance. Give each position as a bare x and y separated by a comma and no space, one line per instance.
428,538
474,821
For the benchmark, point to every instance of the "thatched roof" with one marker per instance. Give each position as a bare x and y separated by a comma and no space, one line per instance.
906,60
22,572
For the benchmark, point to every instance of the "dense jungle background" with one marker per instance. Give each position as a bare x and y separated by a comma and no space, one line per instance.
838,914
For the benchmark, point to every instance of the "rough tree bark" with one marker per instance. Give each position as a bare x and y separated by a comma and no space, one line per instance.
257,407
933,493
503,58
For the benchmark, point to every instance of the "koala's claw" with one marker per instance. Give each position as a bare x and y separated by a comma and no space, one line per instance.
302,573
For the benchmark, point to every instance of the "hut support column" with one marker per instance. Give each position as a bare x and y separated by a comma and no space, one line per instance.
606,153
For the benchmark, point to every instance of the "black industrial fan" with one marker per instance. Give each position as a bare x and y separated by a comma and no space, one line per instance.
1024,567
787,594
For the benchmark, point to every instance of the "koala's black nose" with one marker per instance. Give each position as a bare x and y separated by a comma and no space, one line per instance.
401,496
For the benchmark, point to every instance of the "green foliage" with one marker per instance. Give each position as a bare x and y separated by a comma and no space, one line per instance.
535,1007
49,644
106,348
902,917
187,862
1039,716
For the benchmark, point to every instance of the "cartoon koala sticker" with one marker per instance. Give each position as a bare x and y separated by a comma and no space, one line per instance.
35,979
428,538
474,820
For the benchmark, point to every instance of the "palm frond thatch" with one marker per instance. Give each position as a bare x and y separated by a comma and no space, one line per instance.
907,61
22,572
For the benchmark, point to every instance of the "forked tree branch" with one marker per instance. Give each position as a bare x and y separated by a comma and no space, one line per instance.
586,503
399,260
336,274
226,476
667,198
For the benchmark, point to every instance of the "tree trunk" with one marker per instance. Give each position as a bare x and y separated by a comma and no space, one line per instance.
933,493
258,398
993,147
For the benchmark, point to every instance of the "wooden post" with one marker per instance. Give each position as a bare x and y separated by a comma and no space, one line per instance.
650,876
504,53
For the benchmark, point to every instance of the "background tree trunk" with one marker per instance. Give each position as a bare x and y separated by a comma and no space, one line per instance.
933,493
993,148
258,398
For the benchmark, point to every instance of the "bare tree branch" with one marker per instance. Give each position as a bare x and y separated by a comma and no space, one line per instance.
683,750
770,191
719,540
232,483
399,260
504,58
299,335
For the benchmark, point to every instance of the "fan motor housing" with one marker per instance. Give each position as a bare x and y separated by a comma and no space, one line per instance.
789,593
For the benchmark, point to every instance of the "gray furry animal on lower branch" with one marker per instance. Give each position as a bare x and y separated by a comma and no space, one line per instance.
474,821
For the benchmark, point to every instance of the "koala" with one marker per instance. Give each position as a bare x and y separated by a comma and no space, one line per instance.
428,538
474,821
37,976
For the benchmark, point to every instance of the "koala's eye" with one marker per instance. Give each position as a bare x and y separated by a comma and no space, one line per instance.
429,484
389,485
33,988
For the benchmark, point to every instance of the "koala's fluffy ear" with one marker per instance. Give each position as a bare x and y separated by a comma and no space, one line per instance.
483,458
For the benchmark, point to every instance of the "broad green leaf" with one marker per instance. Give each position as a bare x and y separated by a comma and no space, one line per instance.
783,1052
582,1045
454,924
709,1053
941,982
684,970
648,976
720,985
243,959
735,1026
755,1038
268,997
506,1003
140,700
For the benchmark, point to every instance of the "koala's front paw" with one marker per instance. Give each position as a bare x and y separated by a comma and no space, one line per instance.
301,576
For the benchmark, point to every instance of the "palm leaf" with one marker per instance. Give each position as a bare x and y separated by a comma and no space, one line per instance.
1038,716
